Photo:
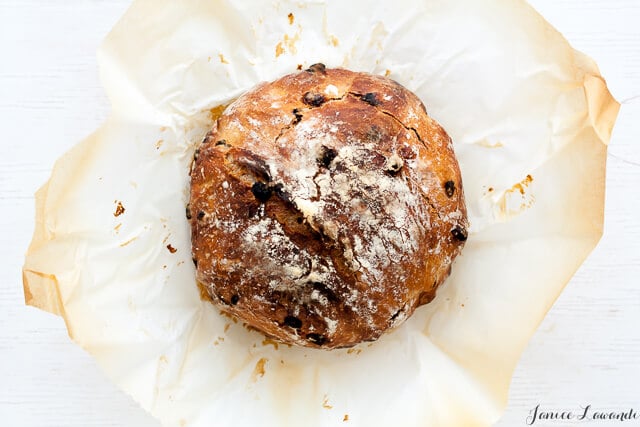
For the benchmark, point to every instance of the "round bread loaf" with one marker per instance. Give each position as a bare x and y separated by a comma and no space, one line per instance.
325,207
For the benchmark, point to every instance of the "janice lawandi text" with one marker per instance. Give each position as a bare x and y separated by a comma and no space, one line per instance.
582,413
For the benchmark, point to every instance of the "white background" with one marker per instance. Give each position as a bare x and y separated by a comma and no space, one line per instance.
587,350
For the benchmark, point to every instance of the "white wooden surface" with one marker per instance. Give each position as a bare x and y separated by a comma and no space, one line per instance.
587,351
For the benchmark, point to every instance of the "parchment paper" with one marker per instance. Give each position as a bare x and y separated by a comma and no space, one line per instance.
530,118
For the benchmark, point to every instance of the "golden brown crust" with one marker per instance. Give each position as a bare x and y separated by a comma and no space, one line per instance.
325,207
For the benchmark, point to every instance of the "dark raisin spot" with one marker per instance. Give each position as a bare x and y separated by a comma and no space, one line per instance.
195,262
293,322
317,68
222,142
188,212
201,215
296,113
196,154
261,191
460,234
449,188
299,220
327,155
370,98
316,338
234,299
314,99
396,314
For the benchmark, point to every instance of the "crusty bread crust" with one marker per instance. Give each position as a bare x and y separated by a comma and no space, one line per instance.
325,207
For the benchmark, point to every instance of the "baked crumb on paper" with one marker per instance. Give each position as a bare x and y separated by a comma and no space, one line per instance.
518,102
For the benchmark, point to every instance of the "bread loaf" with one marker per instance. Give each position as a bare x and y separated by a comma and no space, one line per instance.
325,207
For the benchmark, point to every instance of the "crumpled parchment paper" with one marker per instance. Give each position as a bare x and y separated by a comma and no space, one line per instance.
530,118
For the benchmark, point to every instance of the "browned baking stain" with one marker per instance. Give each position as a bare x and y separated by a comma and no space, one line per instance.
204,294
387,73
216,112
325,403
117,227
250,328
334,40
345,418
119,208
516,199
299,68
54,304
159,144
226,327
222,313
287,43
291,18
488,144
122,245
522,185
259,370
269,341
222,59
171,249
354,350
218,340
